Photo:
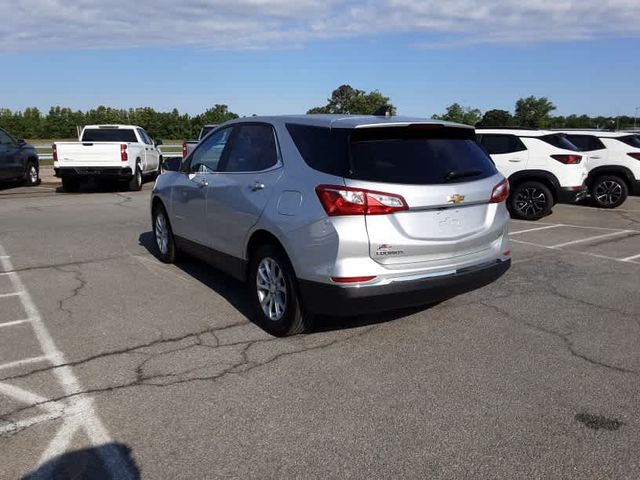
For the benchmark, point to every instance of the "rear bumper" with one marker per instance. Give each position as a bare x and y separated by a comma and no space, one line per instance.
327,299
115,172
572,194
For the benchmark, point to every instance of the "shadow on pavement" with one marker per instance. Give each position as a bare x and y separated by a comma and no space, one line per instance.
106,462
235,292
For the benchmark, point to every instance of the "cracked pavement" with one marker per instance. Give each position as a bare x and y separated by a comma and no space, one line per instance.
510,381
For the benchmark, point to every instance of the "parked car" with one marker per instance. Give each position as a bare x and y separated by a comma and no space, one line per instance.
613,163
18,160
189,145
123,152
337,215
542,167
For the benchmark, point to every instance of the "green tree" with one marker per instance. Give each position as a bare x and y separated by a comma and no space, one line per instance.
533,112
496,118
347,100
217,114
459,114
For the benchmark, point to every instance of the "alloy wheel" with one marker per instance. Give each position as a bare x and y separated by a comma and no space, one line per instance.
271,289
608,192
162,233
33,174
531,201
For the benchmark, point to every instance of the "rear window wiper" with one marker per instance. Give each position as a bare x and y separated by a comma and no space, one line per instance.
454,174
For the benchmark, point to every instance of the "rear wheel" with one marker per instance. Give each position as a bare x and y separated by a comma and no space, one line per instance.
135,184
530,200
273,292
609,191
32,174
70,184
164,235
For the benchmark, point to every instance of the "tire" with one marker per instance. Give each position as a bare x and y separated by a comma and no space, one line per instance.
608,191
70,185
272,283
135,184
530,200
32,174
163,235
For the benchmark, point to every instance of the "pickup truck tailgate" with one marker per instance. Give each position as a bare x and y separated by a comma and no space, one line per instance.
72,154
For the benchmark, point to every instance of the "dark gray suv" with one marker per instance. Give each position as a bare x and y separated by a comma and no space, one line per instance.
338,215
18,160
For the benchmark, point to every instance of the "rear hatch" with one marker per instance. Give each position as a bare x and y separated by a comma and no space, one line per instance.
446,181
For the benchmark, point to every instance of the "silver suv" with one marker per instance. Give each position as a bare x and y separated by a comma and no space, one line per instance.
337,215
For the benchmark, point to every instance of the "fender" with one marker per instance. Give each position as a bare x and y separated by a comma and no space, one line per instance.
546,177
618,170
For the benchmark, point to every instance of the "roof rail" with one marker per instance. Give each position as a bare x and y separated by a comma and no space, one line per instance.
509,128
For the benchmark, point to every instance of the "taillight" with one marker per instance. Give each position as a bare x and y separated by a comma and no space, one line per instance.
124,156
55,153
337,200
568,159
500,192
184,150
352,279
635,155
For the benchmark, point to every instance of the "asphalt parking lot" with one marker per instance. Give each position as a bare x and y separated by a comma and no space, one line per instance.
118,366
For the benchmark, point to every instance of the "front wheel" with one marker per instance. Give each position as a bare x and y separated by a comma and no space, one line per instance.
32,174
274,294
530,201
608,191
163,234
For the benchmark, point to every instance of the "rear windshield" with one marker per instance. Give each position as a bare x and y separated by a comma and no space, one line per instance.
631,140
109,135
559,140
414,155
205,131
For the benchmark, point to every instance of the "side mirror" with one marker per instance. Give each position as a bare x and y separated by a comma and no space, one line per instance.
157,142
21,142
172,164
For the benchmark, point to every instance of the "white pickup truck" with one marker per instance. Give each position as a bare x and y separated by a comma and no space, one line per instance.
189,145
123,152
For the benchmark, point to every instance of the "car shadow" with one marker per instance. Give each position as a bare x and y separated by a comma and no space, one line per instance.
104,462
102,186
235,292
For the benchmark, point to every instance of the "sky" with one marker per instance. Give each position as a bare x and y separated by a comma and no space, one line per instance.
286,56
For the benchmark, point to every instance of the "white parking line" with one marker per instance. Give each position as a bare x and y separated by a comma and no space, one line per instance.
574,226
14,322
588,254
88,419
628,259
589,239
8,295
24,361
535,229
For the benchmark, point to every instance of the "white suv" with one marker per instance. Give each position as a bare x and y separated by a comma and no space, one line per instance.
613,163
543,168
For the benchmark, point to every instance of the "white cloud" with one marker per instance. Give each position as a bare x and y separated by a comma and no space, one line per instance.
245,24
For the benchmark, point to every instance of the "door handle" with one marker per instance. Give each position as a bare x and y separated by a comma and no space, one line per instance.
257,186
595,157
202,184
515,160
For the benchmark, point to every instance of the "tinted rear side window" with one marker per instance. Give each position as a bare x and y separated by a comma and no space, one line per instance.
109,135
499,144
560,141
418,156
323,149
586,143
631,140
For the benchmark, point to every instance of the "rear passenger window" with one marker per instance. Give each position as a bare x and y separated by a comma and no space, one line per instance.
631,140
559,140
253,149
322,148
499,144
586,143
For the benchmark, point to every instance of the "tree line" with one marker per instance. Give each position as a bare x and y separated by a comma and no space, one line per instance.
61,122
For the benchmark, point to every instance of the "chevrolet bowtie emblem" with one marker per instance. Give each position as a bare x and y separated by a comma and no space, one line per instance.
455,198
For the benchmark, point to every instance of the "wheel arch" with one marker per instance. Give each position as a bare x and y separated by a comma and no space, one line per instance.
542,176
618,170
